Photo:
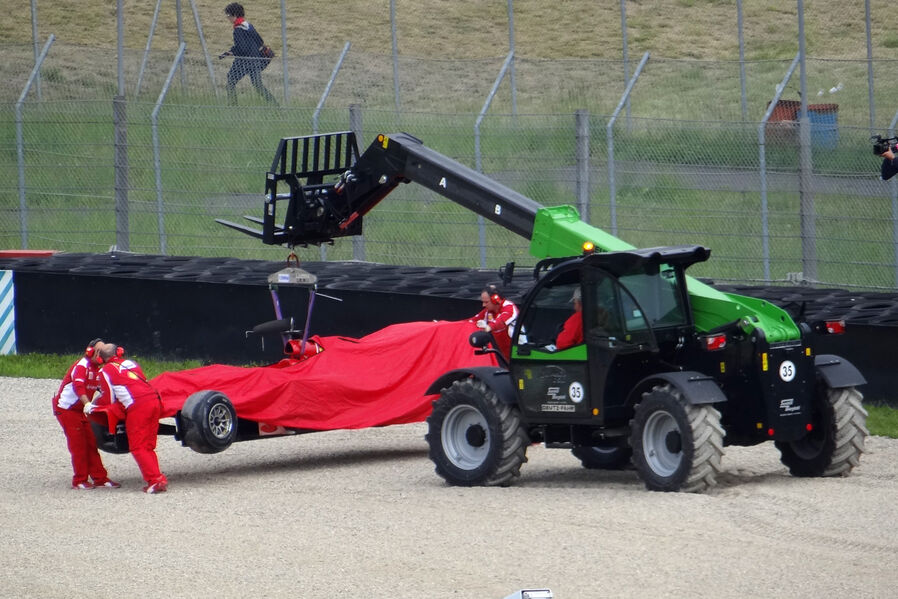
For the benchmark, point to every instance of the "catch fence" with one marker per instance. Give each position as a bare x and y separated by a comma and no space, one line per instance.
688,163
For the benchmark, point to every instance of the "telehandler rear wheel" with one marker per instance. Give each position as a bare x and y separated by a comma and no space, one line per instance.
474,438
677,446
836,443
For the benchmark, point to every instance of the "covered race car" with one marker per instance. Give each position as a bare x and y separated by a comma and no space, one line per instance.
342,383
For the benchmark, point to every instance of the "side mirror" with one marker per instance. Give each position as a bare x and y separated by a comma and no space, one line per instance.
480,339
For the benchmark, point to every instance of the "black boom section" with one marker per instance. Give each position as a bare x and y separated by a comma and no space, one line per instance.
461,184
317,212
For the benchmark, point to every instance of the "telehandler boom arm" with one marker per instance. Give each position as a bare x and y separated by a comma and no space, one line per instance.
318,212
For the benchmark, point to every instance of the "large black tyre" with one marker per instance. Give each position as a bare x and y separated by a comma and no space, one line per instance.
677,446
474,438
836,443
209,422
606,457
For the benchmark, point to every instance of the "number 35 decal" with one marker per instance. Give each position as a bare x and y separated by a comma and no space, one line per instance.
787,371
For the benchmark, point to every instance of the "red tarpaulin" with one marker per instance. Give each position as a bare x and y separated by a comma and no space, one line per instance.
376,380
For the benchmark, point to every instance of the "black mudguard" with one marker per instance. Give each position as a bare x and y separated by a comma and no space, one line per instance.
837,372
697,388
497,379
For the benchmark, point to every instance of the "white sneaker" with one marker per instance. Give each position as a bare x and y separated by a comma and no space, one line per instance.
156,488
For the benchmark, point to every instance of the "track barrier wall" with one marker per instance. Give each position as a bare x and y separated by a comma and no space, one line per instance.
178,307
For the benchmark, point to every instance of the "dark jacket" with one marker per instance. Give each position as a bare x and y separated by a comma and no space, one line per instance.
247,41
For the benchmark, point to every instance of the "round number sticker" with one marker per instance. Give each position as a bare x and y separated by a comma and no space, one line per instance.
787,371
575,392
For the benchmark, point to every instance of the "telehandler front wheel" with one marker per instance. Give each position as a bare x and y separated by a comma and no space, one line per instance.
474,438
677,446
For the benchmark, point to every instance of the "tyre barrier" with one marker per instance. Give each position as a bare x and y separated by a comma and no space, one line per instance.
198,307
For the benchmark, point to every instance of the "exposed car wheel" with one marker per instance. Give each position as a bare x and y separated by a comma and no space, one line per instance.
209,422
474,438
836,443
677,446
606,457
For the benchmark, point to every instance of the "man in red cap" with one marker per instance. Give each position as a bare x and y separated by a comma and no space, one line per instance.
498,317
76,391
122,381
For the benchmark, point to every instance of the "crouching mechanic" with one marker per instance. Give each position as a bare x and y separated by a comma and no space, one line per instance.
122,382
498,317
76,391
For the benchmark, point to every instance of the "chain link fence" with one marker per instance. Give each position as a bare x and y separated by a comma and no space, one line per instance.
688,164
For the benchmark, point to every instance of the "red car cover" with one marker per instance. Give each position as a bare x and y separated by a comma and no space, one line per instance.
377,380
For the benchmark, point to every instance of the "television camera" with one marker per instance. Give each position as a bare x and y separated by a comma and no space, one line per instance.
881,145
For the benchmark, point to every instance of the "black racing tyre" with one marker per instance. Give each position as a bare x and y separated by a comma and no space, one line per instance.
835,445
677,446
209,422
605,457
474,438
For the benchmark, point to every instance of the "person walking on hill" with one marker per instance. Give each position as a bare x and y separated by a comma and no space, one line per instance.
249,55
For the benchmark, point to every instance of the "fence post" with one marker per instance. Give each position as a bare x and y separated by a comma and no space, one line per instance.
120,125
626,56
808,210
511,50
741,60
199,32
284,51
395,54
355,125
762,150
894,189
869,67
157,162
609,133
478,160
327,88
37,82
582,124
20,140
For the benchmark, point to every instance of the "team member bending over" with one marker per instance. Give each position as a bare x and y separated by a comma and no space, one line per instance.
122,381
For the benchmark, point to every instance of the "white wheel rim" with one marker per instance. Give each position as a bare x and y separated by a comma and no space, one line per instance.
455,442
659,457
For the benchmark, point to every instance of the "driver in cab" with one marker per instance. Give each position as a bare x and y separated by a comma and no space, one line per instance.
572,331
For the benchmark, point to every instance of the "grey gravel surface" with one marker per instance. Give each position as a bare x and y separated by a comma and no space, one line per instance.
361,514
